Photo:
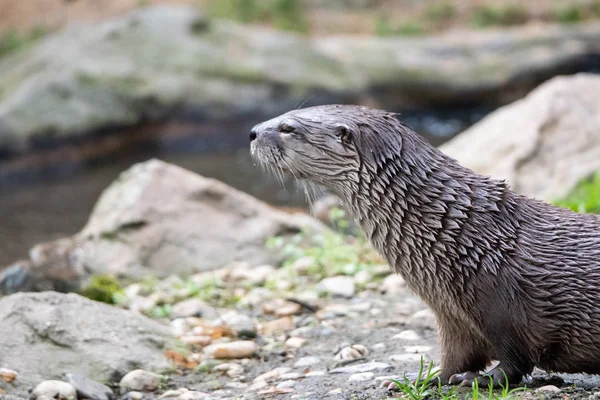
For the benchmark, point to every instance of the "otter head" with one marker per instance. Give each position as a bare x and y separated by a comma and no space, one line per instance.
330,145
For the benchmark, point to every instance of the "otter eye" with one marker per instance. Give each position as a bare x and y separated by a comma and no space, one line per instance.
285,128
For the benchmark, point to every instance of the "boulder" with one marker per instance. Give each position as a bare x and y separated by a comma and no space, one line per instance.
48,335
168,62
544,144
157,220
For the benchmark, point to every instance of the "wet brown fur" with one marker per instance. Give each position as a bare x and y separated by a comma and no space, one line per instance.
508,278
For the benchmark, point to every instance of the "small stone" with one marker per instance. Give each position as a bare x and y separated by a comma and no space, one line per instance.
140,380
239,349
173,393
406,357
281,308
393,284
232,370
363,277
315,374
302,266
133,396
255,276
408,335
89,389
277,326
236,385
272,375
548,388
378,347
332,311
375,311
190,308
381,270
8,375
423,318
417,349
242,324
184,394
258,386
198,340
291,376
358,368
339,286
361,377
55,390
286,384
353,352
179,327
335,391
295,342
307,361
361,307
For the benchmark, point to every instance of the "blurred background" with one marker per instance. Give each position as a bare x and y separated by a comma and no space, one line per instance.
90,87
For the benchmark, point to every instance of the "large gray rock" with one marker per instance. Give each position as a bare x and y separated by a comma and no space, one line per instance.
158,219
155,60
47,335
543,144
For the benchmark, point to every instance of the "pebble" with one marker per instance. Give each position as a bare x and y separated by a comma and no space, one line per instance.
89,389
286,384
295,342
277,326
291,376
548,388
190,308
361,307
140,380
361,377
236,385
406,357
255,297
133,396
363,277
199,340
184,394
335,391
393,284
281,308
417,349
423,318
331,311
307,361
339,286
315,374
353,352
255,276
179,327
272,375
239,349
258,386
378,347
358,368
302,266
55,390
408,335
242,324
232,370
8,375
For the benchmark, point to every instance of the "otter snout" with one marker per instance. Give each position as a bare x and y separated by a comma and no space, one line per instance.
253,134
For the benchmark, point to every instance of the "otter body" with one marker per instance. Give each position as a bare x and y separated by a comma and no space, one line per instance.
508,278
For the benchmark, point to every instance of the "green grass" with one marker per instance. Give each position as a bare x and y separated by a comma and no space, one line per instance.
440,11
286,15
585,197
569,14
103,288
508,15
596,8
384,27
13,41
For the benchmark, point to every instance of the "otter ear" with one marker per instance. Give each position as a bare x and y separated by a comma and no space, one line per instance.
343,134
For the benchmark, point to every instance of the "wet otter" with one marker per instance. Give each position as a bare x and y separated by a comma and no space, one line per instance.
508,278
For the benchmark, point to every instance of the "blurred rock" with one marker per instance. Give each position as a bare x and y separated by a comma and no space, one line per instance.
360,368
544,144
140,380
393,284
159,219
307,361
55,390
353,352
339,286
191,308
239,349
46,335
89,389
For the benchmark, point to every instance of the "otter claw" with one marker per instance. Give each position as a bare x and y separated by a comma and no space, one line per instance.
458,379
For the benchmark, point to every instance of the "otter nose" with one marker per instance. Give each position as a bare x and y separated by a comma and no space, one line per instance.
253,134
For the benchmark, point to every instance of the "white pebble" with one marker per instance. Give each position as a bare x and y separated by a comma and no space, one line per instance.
361,377
548,388
239,349
339,286
286,384
307,361
353,352
295,342
55,390
272,375
140,380
417,349
408,335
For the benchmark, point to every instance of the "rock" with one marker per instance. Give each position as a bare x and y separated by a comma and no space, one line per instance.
363,277
410,357
291,376
239,349
272,375
312,374
280,325
353,352
307,361
548,389
140,380
232,370
184,394
281,308
552,142
339,286
408,336
423,318
190,308
46,335
286,384
55,390
253,275
241,324
89,389
133,396
417,349
360,368
393,284
295,342
361,377
156,215
8,375
196,340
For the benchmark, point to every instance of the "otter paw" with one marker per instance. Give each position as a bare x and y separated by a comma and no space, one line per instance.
497,377
457,379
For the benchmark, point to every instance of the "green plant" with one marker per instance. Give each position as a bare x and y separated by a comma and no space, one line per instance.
596,8
163,311
103,288
421,387
239,10
585,198
288,15
440,11
13,41
569,14
512,14
383,27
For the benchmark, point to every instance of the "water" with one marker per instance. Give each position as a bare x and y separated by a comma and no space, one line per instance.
38,205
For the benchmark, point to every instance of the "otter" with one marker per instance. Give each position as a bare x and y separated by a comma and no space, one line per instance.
508,278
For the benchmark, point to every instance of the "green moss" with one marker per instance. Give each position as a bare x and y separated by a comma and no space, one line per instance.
569,14
585,197
103,288
507,15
